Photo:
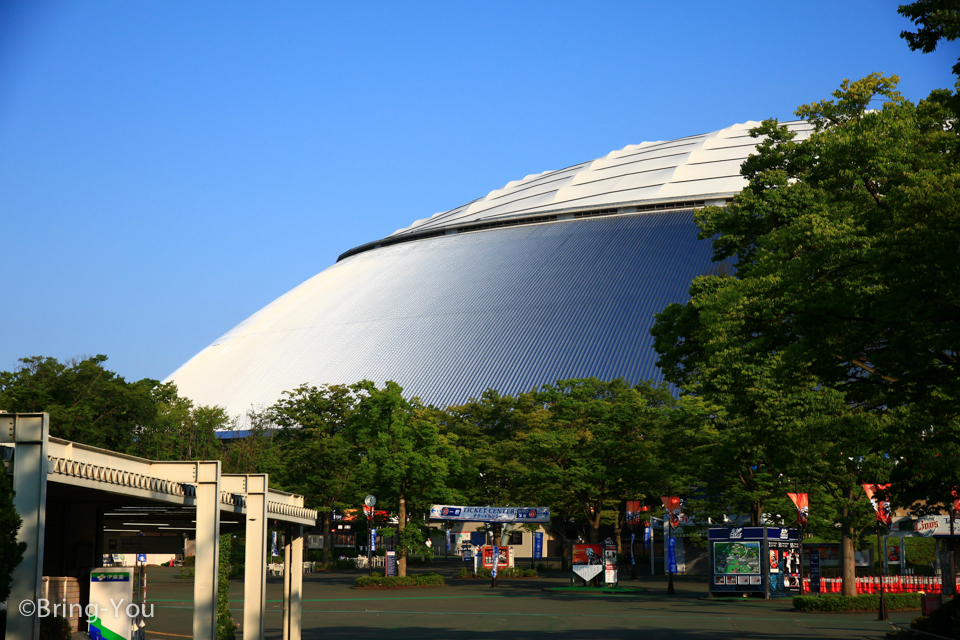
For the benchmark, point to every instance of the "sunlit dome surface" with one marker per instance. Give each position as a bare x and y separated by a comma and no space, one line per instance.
554,276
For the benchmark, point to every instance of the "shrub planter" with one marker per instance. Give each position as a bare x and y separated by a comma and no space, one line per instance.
397,582
865,602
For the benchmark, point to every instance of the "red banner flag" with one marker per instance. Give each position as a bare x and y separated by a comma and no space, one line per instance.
880,507
803,507
633,513
956,503
674,507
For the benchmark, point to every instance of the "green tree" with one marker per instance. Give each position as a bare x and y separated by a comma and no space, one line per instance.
11,551
834,343
596,443
936,20
86,402
179,430
314,455
404,459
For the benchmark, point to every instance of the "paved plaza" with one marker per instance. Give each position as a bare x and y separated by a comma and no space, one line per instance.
517,609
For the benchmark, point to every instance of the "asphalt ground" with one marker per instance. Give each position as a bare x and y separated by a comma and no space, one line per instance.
469,609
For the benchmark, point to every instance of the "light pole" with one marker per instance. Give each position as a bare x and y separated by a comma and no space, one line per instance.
368,504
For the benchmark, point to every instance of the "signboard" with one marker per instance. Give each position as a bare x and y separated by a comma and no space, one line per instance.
736,559
490,514
314,542
390,566
156,543
610,562
587,560
141,557
114,584
935,526
538,544
814,570
503,557
647,535
373,539
784,557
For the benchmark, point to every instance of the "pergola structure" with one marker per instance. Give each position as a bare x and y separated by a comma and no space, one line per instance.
67,494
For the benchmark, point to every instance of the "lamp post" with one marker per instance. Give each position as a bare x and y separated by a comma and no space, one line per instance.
368,504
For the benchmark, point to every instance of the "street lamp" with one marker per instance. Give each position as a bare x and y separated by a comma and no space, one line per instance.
368,504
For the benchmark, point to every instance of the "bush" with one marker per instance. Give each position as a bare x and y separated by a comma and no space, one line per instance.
506,572
865,602
418,580
945,621
343,565
55,628
190,561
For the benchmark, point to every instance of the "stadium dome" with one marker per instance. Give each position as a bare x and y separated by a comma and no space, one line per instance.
554,276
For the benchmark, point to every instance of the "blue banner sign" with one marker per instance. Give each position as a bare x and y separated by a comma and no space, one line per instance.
647,533
538,544
373,539
496,561
814,570
672,555
490,514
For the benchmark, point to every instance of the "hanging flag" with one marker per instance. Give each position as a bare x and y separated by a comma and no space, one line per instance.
802,503
956,502
674,507
647,531
273,545
881,507
633,513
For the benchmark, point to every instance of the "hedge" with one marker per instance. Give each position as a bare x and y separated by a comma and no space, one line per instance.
506,572
865,602
418,580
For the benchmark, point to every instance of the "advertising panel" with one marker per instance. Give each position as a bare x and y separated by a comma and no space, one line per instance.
587,560
489,514
610,562
784,558
814,571
111,590
390,566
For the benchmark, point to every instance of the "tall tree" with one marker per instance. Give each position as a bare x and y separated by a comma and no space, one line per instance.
404,459
314,455
596,443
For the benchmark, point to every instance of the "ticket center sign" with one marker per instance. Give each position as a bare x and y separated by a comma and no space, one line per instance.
489,514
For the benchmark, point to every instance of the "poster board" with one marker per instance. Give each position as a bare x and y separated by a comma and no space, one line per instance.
503,558
587,560
783,556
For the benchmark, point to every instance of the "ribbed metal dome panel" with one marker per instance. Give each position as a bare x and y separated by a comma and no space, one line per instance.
448,317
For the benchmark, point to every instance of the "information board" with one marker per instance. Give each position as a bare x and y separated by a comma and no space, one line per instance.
111,591
390,566
736,559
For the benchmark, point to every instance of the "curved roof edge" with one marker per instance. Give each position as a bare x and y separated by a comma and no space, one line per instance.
687,173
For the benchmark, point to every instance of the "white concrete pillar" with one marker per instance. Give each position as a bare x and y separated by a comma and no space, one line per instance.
292,581
208,550
255,559
29,432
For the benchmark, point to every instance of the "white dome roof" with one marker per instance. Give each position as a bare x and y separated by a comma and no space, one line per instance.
705,166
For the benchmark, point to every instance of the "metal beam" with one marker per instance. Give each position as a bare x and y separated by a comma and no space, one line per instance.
29,432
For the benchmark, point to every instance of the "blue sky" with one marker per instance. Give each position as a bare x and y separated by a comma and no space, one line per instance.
168,168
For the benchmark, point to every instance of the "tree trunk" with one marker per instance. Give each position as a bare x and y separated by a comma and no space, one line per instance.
594,521
849,567
401,525
618,535
327,539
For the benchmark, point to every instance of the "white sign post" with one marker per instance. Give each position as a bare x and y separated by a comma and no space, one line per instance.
111,591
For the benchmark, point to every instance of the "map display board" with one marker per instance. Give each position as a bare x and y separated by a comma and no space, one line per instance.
755,560
737,560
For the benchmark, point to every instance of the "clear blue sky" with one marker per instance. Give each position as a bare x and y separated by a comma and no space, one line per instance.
168,168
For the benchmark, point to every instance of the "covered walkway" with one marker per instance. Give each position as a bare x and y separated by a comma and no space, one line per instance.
73,497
